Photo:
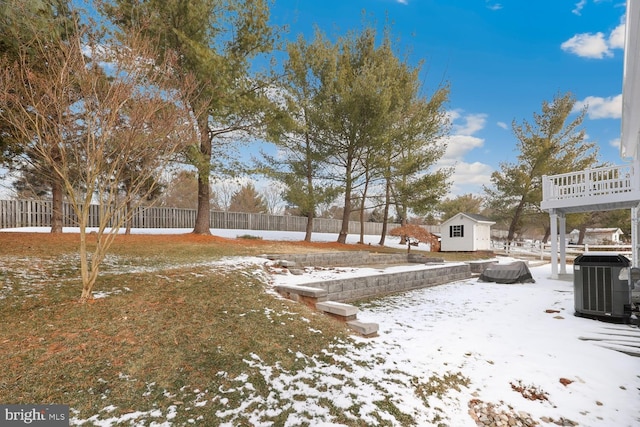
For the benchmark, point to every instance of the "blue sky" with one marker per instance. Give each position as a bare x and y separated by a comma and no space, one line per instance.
502,59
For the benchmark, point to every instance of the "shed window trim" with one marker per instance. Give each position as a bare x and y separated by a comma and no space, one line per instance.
456,231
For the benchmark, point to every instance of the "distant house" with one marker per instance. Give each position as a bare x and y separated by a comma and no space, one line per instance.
597,236
466,232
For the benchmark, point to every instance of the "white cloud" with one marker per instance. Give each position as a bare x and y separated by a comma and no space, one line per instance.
598,45
615,143
578,8
473,173
461,140
503,125
472,124
459,145
616,38
494,6
587,45
601,108
470,177
403,1
454,115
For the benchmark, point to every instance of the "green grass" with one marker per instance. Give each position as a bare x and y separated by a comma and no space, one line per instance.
249,237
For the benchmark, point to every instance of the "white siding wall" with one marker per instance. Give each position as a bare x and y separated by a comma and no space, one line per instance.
464,243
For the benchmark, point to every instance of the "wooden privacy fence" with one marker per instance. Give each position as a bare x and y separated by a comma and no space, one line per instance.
37,213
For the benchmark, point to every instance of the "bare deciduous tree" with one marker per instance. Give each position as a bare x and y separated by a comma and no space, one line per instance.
272,196
123,112
224,191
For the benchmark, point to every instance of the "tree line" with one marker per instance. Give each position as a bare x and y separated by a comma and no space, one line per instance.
97,106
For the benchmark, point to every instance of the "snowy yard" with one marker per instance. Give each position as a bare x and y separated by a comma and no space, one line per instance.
450,355
501,338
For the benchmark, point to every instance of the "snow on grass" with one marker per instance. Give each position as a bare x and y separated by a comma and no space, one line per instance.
439,350
498,336
442,347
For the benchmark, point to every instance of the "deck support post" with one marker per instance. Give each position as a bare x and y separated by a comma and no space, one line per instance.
557,222
635,262
553,223
562,224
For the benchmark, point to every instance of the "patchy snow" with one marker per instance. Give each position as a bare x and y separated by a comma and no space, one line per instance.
501,343
498,336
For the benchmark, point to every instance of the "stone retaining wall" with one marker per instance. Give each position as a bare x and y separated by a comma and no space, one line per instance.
352,259
352,289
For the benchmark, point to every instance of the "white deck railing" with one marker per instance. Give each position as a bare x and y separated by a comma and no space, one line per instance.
611,181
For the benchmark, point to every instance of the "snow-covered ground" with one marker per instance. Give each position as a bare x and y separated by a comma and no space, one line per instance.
502,337
504,342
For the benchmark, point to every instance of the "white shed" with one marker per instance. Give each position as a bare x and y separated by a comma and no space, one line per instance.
598,236
466,232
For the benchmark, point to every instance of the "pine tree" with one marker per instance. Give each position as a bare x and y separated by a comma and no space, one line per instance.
248,200
215,41
300,163
467,203
25,27
550,145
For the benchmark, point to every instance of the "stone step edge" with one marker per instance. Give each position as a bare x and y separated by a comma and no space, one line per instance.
338,308
316,298
363,328
305,291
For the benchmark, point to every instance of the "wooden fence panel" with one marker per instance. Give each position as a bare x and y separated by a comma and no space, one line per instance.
37,213
7,214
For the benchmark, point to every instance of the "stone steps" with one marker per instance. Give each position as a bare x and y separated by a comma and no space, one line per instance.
340,310
316,298
331,296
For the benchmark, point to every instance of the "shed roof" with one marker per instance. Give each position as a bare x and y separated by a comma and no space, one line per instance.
473,217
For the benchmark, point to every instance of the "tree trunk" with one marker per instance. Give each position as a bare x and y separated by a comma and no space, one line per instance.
514,221
311,208
403,221
309,229
202,216
364,196
128,218
547,233
90,275
361,240
87,291
87,273
56,206
385,216
202,225
344,230
583,232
